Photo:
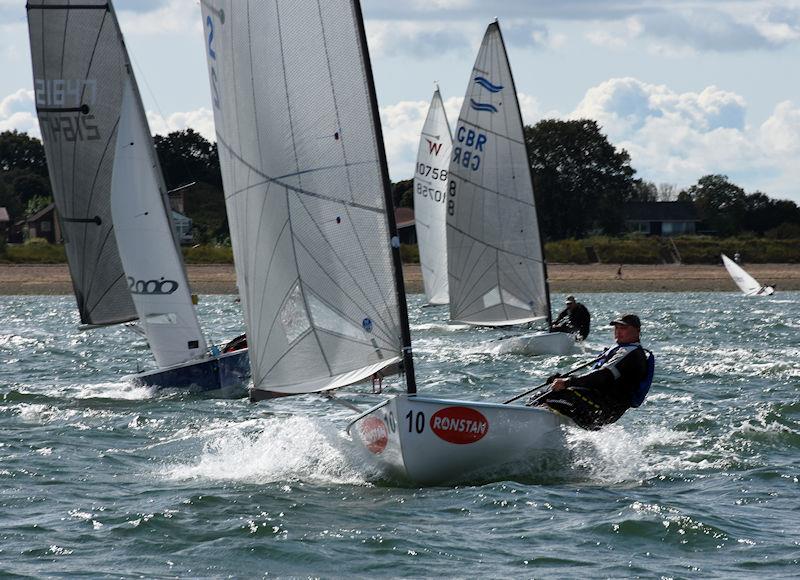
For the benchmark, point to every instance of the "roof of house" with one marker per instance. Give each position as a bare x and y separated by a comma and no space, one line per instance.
404,217
4,215
675,211
42,212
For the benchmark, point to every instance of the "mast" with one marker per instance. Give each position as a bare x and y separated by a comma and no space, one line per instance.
527,153
405,331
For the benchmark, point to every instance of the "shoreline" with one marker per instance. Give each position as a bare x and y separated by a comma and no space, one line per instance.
53,279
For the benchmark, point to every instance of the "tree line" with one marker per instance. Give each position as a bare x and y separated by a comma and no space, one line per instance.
581,183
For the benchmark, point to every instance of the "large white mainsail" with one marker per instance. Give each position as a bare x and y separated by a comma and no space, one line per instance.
145,239
746,283
430,200
306,191
78,70
495,261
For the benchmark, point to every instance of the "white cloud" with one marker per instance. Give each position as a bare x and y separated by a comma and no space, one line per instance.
17,113
155,18
201,120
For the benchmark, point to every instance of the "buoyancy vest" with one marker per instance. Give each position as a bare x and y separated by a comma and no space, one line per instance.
640,392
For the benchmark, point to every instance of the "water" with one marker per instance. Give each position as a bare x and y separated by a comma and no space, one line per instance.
98,477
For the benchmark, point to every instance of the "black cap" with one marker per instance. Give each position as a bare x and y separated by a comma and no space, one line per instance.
570,299
627,320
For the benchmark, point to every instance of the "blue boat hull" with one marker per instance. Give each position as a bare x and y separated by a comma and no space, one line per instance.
228,373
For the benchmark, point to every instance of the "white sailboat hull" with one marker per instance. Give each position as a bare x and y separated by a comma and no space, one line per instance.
426,440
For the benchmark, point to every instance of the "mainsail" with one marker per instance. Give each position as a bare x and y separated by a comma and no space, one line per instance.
746,283
78,71
306,189
430,199
495,261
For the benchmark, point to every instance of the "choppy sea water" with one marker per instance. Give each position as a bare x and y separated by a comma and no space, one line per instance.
98,477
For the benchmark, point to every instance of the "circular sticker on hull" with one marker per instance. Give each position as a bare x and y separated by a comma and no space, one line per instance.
374,434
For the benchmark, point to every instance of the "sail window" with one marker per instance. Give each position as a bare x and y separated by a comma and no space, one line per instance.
326,318
492,298
294,318
168,318
511,300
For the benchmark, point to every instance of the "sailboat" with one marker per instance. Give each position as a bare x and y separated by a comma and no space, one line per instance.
746,283
497,270
430,200
317,253
122,251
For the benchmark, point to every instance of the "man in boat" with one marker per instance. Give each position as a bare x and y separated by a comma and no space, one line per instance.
618,380
574,318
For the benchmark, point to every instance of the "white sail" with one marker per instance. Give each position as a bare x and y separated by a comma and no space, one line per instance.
495,260
305,185
430,200
746,283
153,267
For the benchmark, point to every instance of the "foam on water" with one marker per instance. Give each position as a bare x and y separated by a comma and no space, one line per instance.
273,450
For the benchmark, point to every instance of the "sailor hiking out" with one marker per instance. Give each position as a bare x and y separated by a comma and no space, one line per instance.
575,318
618,380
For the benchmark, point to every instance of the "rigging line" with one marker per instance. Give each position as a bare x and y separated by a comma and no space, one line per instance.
387,337
344,266
267,274
111,226
75,148
278,180
293,135
497,193
372,272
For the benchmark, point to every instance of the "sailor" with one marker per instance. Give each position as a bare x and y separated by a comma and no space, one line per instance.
618,380
574,318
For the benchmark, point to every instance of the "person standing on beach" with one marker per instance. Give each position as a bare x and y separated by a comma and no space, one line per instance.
620,379
574,318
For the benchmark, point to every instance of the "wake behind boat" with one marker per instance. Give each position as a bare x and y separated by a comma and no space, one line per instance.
122,251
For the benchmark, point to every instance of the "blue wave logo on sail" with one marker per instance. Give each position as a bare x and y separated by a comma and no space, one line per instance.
482,106
486,84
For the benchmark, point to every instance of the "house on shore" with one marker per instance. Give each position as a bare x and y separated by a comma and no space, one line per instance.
661,218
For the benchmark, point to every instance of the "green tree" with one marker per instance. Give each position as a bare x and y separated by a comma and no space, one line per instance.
403,193
720,204
19,151
187,156
580,179
763,213
36,204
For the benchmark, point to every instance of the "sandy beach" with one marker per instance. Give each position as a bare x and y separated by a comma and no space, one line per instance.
221,279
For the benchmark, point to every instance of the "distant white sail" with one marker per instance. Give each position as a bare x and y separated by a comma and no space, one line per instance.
495,260
154,269
79,66
746,283
430,200
305,188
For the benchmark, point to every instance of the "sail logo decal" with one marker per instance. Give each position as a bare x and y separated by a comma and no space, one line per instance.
482,106
434,147
374,434
486,84
160,287
459,425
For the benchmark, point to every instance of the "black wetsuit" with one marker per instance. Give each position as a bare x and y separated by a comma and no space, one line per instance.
602,395
576,320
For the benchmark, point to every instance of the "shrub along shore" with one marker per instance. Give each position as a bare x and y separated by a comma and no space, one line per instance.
564,278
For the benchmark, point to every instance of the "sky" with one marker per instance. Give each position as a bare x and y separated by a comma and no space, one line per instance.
687,87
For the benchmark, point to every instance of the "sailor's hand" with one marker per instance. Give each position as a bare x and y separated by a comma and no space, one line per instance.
560,384
551,378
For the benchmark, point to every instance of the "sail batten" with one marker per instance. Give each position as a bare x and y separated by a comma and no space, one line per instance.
304,190
496,265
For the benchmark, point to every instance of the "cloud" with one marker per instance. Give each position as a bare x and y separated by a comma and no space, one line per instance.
392,38
158,17
201,120
17,113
